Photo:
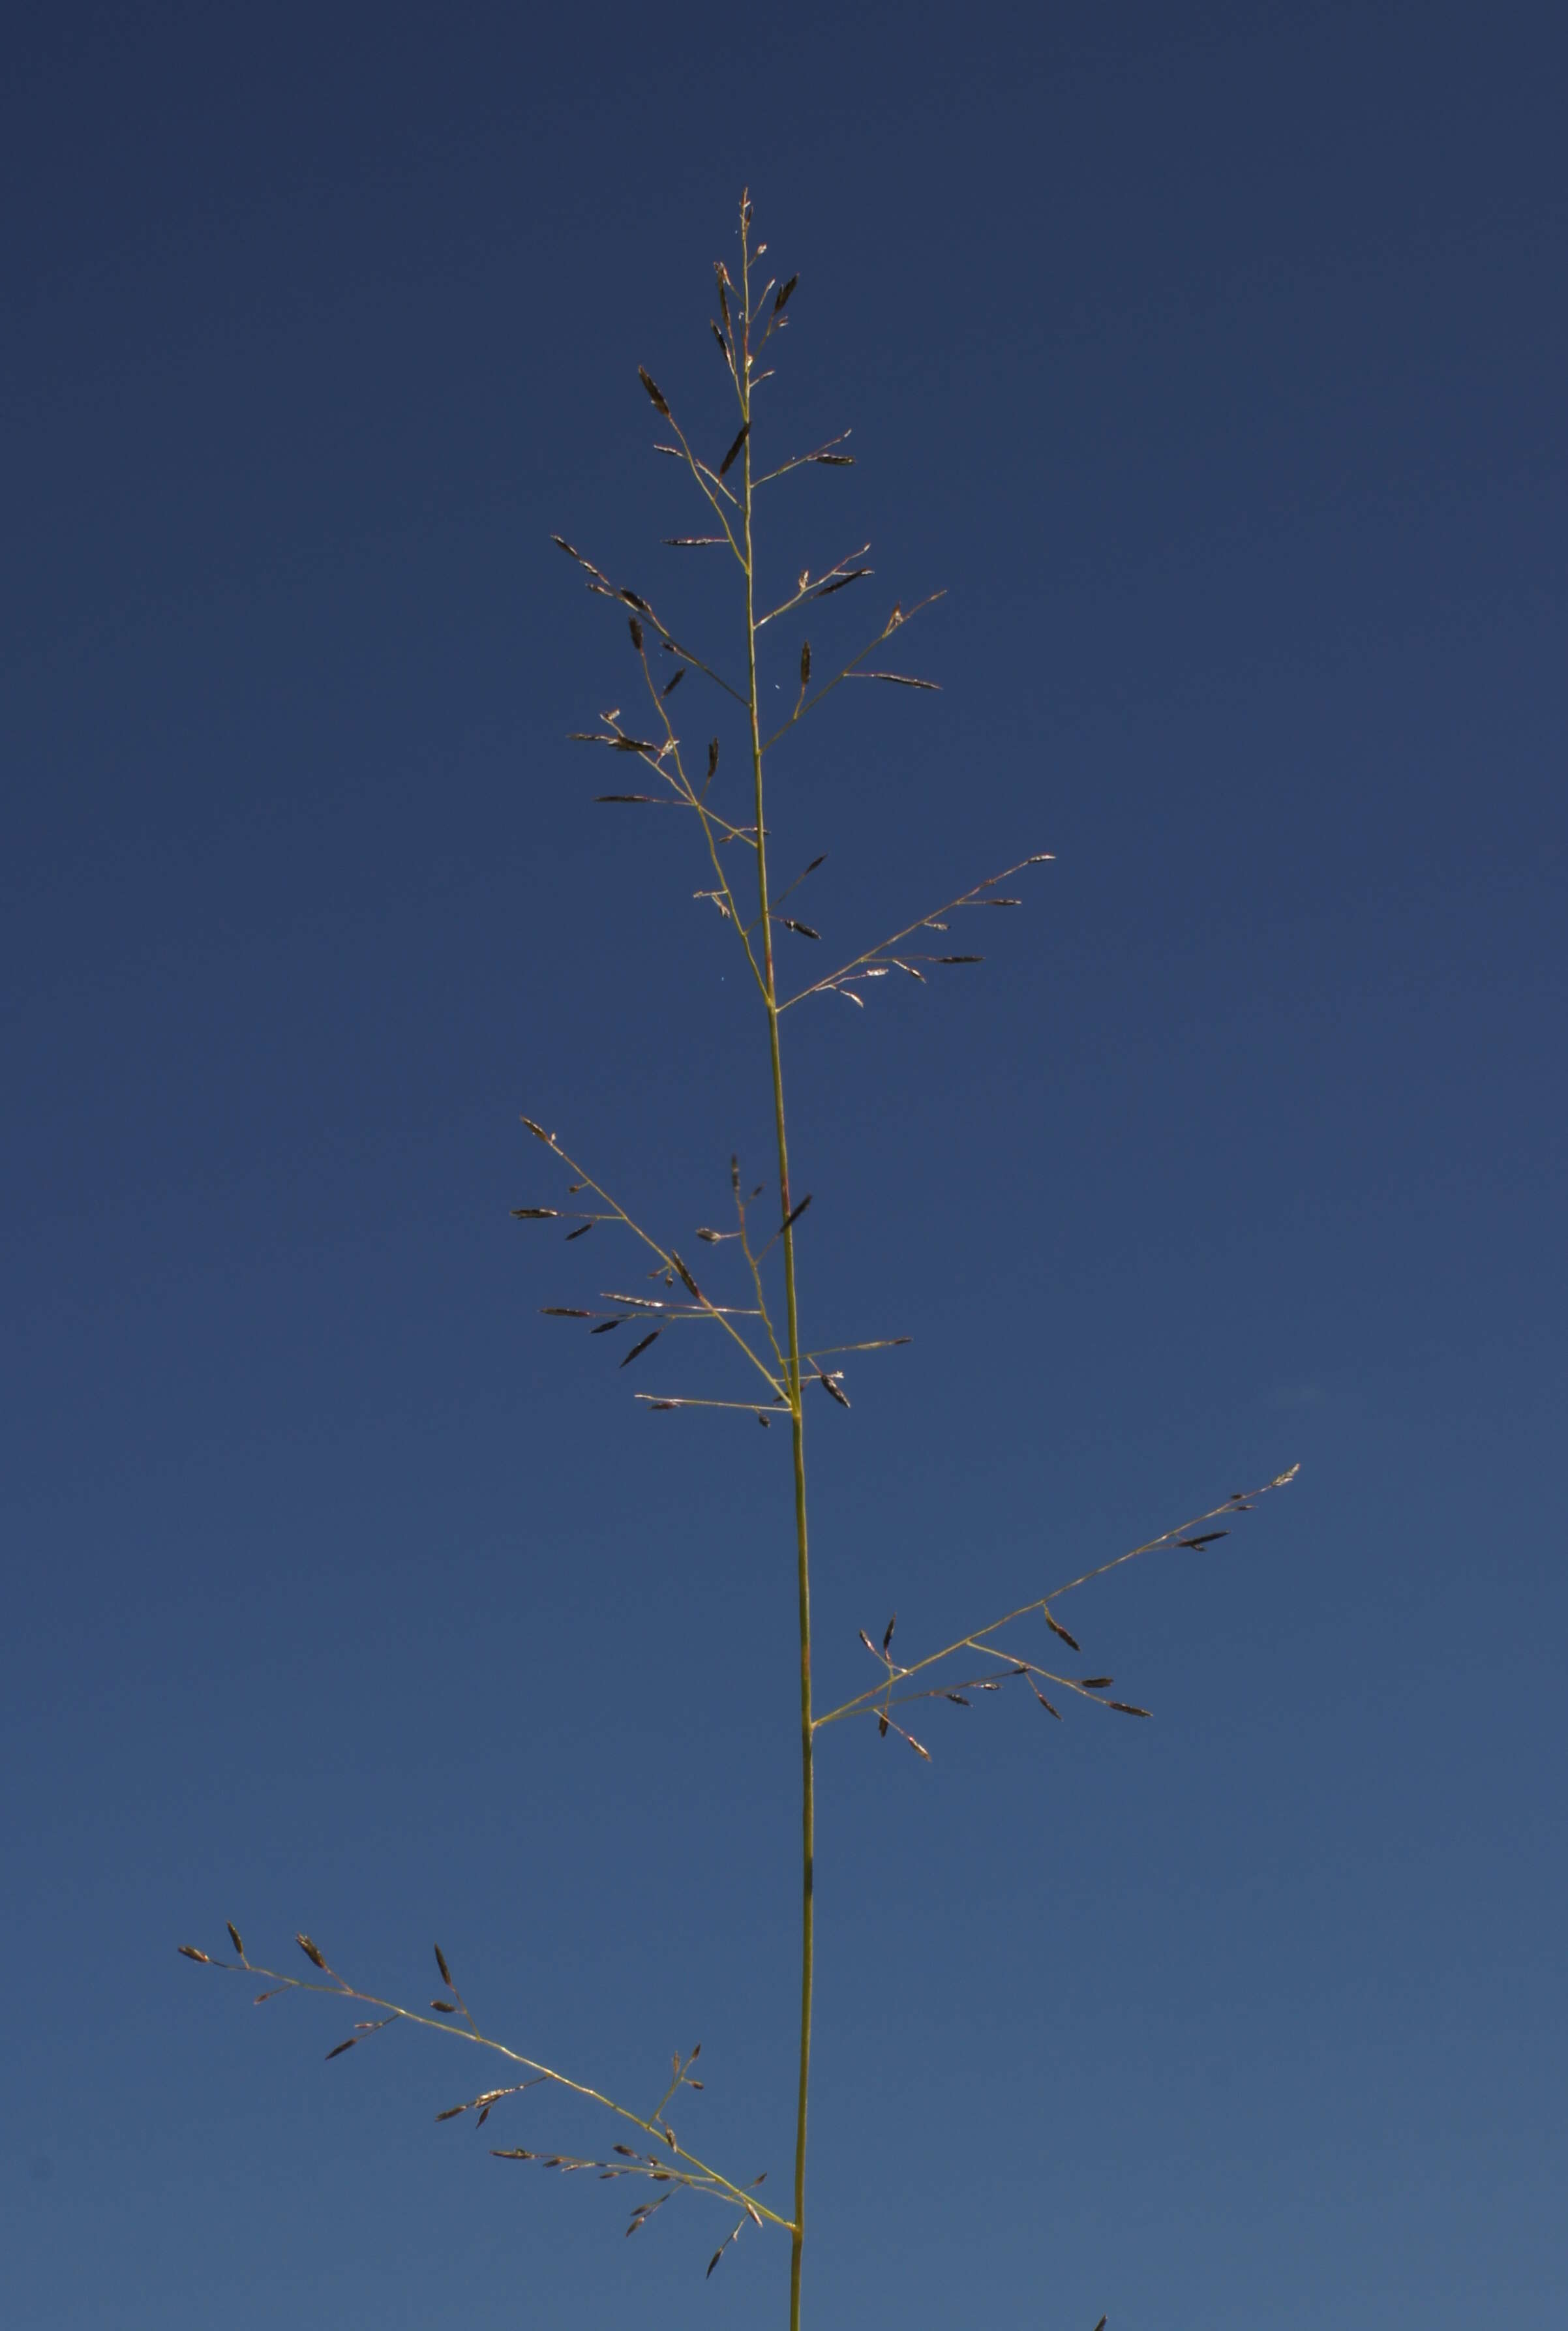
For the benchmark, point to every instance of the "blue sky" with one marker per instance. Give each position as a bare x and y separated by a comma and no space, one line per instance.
1212,359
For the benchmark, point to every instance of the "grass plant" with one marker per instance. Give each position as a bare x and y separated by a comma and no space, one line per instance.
776,1364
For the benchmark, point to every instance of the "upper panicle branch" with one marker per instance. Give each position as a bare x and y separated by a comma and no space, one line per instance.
890,1692
876,962
671,1264
898,617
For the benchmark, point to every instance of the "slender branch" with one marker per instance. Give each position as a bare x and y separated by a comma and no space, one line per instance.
822,452
895,622
340,1989
709,819
603,588
666,1256
1240,1502
753,1264
709,482
818,587
924,922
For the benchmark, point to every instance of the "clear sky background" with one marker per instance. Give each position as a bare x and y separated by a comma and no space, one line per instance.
1212,357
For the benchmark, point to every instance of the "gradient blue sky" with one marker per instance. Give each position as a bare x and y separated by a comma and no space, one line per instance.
1212,357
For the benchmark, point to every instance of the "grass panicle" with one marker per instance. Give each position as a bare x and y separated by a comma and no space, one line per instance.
748,1299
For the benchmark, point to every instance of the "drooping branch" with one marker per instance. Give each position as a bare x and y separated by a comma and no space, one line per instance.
675,2164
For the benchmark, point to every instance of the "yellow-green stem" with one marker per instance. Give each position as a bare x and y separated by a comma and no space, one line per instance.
793,1351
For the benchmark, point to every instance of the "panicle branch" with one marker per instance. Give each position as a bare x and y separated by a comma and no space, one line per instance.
890,1692
674,2165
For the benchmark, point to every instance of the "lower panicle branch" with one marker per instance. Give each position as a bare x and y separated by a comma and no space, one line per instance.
672,2166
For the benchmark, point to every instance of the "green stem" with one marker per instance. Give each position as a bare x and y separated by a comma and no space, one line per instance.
793,1352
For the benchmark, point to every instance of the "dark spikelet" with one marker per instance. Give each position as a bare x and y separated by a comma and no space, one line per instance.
189,1951
867,1641
441,1962
535,1213
691,541
659,1407
234,1937
796,1212
712,757
961,958
654,391
735,1175
804,930
1071,1641
443,2007
687,1280
341,2049
1123,1709
887,1635
1207,1539
1043,1701
672,683
604,1326
841,582
483,2118
633,600
781,296
1100,2326
632,797
958,1699
513,2152
311,1953
581,1233
722,343
762,1419
643,1346
636,628
829,1387
805,664
735,449
881,1727
1095,1683
563,1311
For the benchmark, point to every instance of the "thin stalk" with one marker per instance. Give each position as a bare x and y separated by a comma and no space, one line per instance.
793,1338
